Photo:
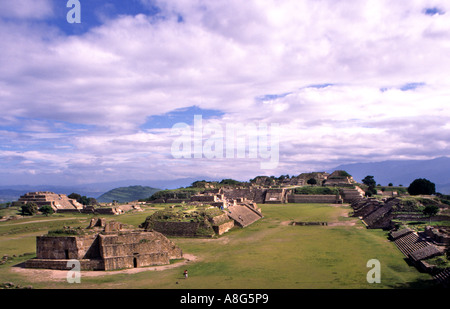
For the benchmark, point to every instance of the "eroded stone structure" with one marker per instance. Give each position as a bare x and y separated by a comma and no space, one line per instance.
245,214
59,202
103,246
339,178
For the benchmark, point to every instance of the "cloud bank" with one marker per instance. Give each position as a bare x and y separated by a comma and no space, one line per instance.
347,81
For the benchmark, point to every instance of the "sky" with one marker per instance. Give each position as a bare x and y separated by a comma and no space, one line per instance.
316,83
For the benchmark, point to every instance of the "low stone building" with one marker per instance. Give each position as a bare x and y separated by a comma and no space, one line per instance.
103,246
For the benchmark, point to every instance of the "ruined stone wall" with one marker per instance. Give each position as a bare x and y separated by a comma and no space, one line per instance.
126,244
88,247
182,229
105,211
440,236
275,196
306,198
48,247
136,249
176,200
204,198
255,194
219,219
138,260
62,264
224,227
66,247
221,224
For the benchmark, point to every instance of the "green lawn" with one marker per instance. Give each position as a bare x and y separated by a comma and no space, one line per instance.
268,254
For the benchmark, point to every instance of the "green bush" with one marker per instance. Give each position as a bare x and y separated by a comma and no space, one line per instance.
29,209
46,210
64,232
422,186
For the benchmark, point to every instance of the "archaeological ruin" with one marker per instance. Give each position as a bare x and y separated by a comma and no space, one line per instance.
199,220
58,202
420,247
61,203
270,190
103,246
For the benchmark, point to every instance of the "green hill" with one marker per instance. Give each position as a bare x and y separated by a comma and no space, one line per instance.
127,194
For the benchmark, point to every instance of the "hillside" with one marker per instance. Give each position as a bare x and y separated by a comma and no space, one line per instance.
127,194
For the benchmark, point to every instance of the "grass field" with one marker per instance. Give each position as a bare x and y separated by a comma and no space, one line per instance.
269,254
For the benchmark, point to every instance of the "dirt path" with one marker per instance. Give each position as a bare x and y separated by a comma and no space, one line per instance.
40,275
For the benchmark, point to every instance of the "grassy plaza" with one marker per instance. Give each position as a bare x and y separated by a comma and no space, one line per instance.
269,254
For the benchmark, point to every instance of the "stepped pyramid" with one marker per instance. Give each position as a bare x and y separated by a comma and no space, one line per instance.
56,201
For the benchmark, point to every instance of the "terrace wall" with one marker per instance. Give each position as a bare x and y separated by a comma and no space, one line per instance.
306,198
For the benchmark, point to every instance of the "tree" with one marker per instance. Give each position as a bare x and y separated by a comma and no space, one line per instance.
422,186
46,210
230,182
75,196
390,184
311,181
370,191
92,201
83,199
29,209
369,181
430,210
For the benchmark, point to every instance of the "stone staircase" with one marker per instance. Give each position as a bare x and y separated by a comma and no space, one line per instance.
409,243
443,277
350,195
244,215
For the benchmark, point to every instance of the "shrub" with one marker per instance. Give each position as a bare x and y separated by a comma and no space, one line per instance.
29,209
421,186
46,210
311,181
64,232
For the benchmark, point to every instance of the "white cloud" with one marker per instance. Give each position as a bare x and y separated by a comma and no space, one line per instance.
26,9
225,55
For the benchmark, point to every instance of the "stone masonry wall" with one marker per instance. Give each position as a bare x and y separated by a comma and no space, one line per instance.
62,264
69,247
305,198
224,227
182,229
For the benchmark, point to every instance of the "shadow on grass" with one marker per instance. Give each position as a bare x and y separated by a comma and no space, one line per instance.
419,284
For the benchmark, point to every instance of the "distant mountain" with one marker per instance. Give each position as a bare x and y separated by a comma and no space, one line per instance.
127,194
9,193
13,192
403,172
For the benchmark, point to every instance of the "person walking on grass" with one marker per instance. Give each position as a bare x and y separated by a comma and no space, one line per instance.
185,274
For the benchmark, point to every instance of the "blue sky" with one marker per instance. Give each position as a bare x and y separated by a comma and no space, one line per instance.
344,81
96,12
